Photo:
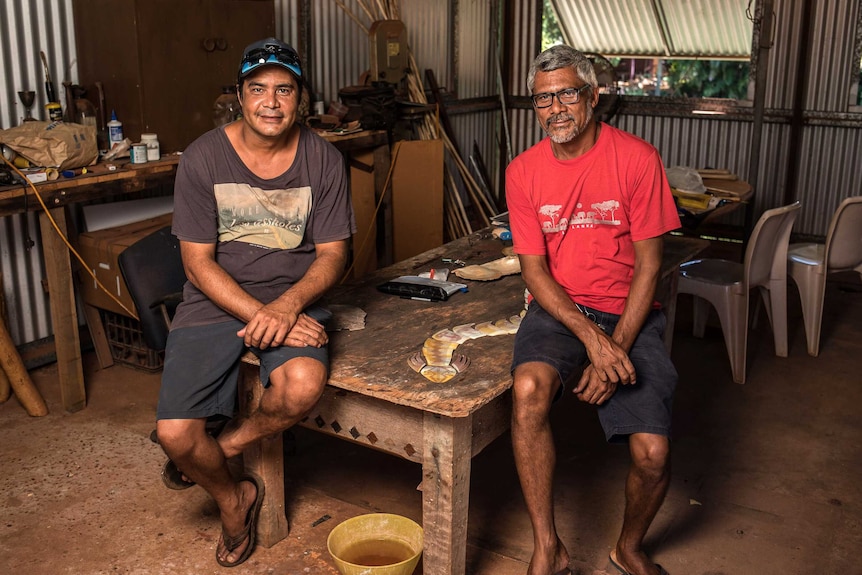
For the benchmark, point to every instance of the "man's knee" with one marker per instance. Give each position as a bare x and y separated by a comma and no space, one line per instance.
296,387
179,435
533,390
650,453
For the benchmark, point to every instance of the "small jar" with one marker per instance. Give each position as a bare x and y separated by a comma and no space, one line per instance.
138,153
152,142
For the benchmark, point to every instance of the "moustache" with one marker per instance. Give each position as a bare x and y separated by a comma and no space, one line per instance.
556,117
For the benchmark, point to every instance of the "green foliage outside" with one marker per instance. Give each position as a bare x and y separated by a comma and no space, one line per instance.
551,34
708,78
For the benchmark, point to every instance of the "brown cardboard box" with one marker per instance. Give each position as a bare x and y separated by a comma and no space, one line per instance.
100,250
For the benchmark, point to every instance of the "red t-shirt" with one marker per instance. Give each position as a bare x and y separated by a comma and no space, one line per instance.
583,214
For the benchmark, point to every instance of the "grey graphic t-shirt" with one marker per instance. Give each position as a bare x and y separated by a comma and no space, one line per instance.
265,230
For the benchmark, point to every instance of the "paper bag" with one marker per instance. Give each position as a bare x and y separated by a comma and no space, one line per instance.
60,145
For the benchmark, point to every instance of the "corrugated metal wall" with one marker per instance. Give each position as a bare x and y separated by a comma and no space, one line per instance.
26,28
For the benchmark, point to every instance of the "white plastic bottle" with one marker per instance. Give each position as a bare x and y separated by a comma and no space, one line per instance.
152,142
115,130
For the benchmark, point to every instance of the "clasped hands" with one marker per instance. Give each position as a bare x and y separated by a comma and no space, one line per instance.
273,326
609,366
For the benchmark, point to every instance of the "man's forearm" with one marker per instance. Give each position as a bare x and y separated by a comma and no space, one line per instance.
222,289
641,292
322,275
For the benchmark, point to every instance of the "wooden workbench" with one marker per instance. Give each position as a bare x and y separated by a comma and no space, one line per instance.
101,183
375,399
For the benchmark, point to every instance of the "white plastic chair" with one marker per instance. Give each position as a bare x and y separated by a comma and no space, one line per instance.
809,264
726,286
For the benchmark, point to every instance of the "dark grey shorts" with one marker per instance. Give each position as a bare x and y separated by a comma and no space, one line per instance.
201,370
644,407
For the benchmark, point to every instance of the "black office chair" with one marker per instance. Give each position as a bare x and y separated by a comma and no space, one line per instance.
153,271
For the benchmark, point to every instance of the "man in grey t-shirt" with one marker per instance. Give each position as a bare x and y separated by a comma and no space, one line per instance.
263,215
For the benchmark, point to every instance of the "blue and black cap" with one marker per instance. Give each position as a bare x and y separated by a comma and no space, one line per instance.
270,51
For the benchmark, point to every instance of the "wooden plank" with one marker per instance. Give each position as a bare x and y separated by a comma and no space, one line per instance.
368,421
363,197
64,317
445,493
417,198
98,336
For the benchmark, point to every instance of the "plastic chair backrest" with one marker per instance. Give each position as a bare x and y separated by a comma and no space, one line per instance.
844,237
766,253
153,271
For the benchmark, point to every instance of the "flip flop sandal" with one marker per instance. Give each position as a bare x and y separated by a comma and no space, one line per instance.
249,531
173,477
618,567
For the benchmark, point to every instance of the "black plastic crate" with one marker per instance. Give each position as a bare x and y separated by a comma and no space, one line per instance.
126,341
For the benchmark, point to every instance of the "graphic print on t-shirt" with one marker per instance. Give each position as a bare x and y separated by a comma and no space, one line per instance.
267,218
602,213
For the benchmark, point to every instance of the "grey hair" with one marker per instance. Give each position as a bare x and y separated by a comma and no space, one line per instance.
562,56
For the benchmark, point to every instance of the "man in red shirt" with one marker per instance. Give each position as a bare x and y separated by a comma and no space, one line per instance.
588,207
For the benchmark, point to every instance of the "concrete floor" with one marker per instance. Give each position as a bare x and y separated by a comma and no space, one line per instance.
766,475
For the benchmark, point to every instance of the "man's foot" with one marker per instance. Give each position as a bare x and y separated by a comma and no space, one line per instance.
235,549
640,559
173,478
554,562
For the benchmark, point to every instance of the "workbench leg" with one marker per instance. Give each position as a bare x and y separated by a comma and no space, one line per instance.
382,164
446,460
266,460
64,315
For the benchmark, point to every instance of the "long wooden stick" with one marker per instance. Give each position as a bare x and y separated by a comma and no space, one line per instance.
5,388
19,379
365,9
351,15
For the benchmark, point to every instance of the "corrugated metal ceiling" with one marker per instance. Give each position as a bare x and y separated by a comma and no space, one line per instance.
716,29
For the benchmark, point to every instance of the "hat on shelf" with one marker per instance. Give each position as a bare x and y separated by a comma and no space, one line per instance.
269,51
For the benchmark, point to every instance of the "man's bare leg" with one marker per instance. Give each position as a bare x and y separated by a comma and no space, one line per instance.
295,388
535,458
646,487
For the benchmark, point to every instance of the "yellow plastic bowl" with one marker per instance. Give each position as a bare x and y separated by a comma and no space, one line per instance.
360,544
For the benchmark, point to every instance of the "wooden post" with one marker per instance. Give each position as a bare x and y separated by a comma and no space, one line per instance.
19,379
5,390
64,315
264,458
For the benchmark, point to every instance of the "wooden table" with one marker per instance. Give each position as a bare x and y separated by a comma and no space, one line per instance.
375,399
739,194
100,183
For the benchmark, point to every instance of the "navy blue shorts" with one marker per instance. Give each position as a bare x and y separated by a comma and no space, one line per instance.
201,370
644,407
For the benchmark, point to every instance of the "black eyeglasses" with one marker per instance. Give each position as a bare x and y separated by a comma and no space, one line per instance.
271,54
566,97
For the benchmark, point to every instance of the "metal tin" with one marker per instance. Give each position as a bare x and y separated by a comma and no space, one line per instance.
55,111
138,153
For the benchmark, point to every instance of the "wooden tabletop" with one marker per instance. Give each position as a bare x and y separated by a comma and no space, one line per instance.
373,361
